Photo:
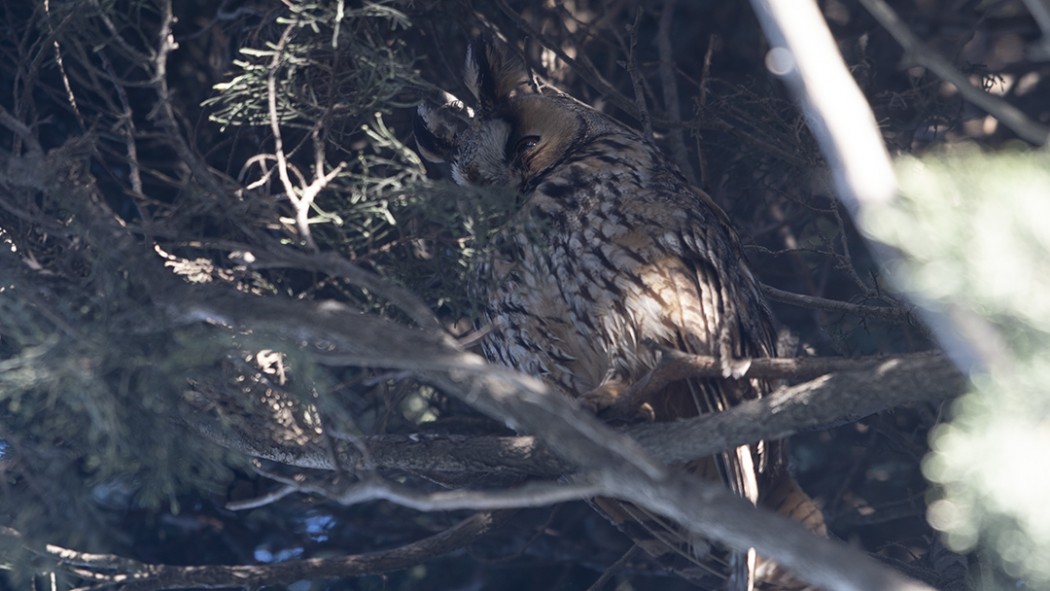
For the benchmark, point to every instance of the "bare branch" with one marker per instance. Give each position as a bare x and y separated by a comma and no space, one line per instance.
301,203
1023,125
830,400
636,76
805,55
106,570
887,313
848,390
70,96
165,107
669,86
302,197
531,494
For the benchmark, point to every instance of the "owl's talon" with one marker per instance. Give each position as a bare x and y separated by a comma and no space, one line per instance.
609,399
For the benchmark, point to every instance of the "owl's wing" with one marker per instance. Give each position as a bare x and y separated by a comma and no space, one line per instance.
705,299
738,327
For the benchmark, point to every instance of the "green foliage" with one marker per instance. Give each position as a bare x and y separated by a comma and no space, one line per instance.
328,62
972,227
334,75
88,389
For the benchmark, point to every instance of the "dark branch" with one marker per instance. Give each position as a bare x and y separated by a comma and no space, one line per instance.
106,570
797,299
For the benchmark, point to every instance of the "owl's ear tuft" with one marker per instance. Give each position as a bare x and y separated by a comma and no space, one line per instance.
436,129
492,71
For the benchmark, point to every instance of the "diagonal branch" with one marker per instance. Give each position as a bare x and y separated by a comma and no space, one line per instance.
829,400
1024,126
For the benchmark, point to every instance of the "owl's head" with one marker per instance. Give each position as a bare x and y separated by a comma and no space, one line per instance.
510,136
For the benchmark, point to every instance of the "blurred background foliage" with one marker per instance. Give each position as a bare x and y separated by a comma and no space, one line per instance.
970,226
140,140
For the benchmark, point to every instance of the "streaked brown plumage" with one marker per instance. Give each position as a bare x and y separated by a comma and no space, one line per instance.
612,251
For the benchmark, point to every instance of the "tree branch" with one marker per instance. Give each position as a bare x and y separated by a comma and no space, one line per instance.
1024,126
530,494
806,57
830,400
105,570
891,314
846,391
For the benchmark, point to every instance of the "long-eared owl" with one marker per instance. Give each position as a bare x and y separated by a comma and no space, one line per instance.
612,255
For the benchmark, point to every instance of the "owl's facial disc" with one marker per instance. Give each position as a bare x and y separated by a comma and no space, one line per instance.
542,130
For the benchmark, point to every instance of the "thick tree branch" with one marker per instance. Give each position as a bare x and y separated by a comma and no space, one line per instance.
847,390
804,54
832,399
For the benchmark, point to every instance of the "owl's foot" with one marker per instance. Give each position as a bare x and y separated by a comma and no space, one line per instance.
610,397
604,396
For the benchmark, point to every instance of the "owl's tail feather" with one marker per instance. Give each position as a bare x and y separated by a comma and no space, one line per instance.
707,565
786,497
672,548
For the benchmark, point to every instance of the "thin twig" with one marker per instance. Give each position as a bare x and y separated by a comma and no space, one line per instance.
70,96
532,494
892,314
614,568
701,103
301,203
165,110
126,120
